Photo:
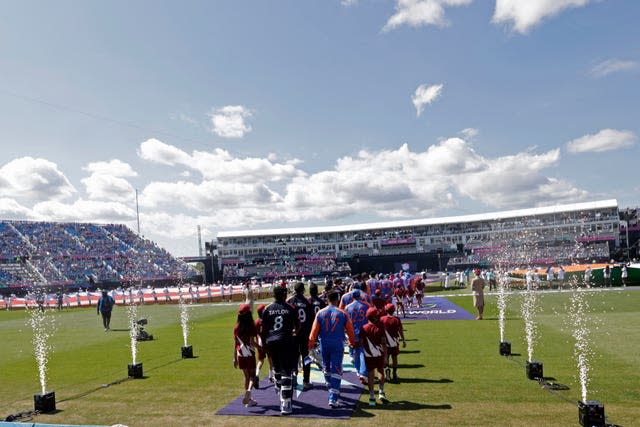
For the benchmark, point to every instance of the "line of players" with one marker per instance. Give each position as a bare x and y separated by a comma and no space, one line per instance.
291,333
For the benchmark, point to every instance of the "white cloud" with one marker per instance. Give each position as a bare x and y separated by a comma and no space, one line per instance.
108,187
526,14
348,2
107,181
235,192
389,183
469,133
605,140
157,151
220,164
113,167
11,209
229,121
517,181
84,211
207,195
416,13
425,95
34,179
401,183
610,66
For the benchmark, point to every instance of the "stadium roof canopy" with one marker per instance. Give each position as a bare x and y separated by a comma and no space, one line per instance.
494,216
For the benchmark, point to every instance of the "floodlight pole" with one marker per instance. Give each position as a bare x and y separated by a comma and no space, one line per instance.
137,212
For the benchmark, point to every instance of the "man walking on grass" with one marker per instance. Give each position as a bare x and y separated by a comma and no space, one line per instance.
104,307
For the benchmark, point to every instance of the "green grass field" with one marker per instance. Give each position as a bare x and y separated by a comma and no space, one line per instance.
451,371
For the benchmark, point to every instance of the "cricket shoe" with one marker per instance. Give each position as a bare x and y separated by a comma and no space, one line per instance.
334,404
285,408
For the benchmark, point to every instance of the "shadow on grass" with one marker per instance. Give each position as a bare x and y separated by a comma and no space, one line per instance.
409,365
400,405
171,362
409,351
116,382
424,380
93,390
551,385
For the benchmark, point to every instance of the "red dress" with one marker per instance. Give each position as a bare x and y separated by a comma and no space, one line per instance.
392,327
245,352
373,341
261,352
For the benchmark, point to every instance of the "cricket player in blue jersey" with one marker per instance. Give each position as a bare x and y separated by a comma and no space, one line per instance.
330,325
357,312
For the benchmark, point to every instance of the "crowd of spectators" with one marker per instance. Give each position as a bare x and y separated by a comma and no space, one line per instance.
310,265
83,253
533,254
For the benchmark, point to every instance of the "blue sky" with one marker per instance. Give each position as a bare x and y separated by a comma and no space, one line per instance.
252,114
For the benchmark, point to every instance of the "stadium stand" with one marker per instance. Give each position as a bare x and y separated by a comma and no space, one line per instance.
545,235
50,253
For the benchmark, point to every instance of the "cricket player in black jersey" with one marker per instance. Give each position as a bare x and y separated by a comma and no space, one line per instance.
306,314
316,302
279,327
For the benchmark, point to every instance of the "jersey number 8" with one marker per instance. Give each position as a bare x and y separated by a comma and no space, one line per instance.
277,324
